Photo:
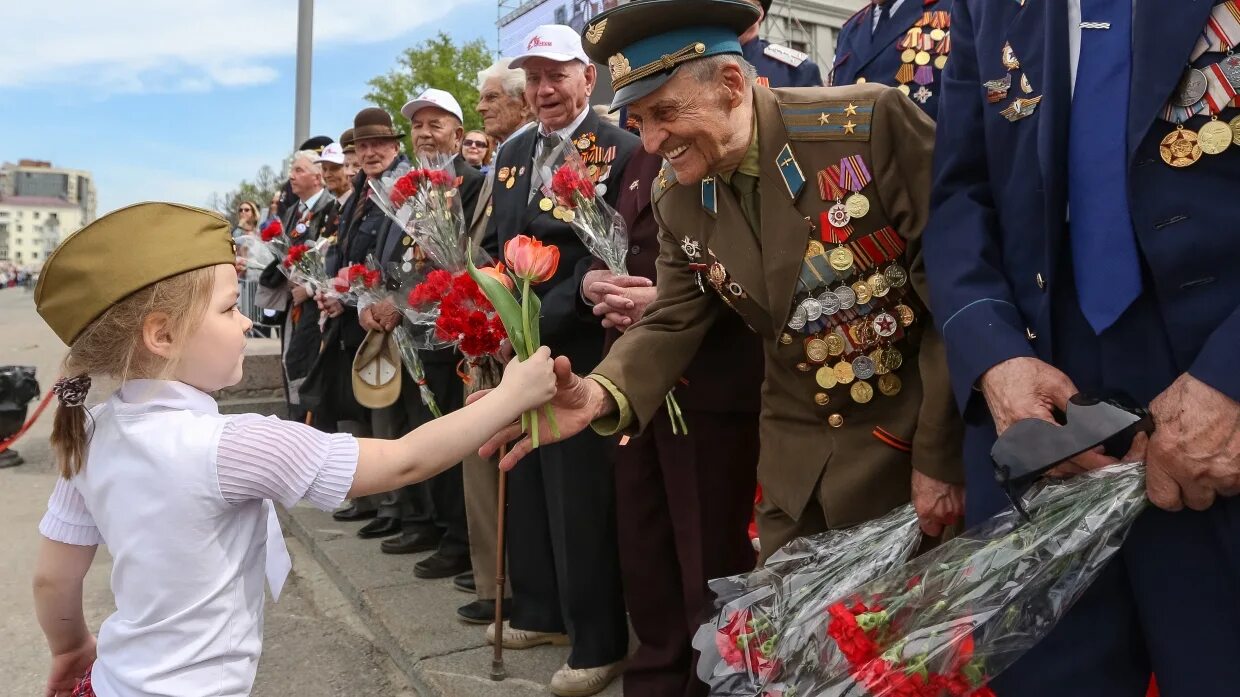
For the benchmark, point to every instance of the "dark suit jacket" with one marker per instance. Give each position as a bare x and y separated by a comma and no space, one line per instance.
564,327
998,232
863,56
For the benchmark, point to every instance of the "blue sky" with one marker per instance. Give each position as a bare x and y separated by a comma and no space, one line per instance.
162,102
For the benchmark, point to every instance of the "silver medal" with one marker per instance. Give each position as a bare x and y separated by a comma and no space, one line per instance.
798,320
847,297
813,309
885,325
896,276
863,367
1191,89
1231,70
830,302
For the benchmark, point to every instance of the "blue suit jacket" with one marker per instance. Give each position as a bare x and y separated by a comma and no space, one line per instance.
998,231
862,56
777,72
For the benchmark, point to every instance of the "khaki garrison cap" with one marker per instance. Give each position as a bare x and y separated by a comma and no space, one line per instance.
124,252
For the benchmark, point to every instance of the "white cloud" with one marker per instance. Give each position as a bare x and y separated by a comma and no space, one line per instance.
169,46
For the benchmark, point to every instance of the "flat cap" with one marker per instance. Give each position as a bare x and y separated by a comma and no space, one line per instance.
124,252
642,43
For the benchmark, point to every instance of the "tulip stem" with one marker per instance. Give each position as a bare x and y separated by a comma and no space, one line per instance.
529,351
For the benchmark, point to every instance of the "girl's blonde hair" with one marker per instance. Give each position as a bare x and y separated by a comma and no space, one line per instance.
112,346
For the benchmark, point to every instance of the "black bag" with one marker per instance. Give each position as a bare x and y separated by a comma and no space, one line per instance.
18,387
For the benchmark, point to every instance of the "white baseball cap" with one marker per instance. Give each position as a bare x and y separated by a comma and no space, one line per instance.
556,42
333,153
433,97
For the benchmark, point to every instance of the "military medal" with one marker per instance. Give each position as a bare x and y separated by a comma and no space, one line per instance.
896,275
825,377
510,183
885,324
905,314
1230,67
937,34
1021,108
848,299
1191,89
1235,130
838,215
1214,137
691,247
854,176
1010,61
864,294
863,367
862,392
1024,84
813,309
880,365
1180,147
997,90
923,94
798,321
889,385
717,275
844,372
893,358
830,302
835,344
816,350
908,55
879,287
841,259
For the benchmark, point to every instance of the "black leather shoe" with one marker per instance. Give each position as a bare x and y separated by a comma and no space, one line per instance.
481,611
410,543
440,565
465,583
351,513
379,527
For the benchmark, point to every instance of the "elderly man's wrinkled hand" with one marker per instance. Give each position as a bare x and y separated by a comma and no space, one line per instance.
1193,455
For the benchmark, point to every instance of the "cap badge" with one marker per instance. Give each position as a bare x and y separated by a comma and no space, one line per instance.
595,32
619,66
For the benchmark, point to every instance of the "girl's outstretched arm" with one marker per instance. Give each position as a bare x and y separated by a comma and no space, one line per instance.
58,576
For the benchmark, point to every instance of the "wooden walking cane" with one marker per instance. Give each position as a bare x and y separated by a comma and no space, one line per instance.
498,672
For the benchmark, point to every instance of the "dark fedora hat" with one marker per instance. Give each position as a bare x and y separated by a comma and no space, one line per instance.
373,123
346,140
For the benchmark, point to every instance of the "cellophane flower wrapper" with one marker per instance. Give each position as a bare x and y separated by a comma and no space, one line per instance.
426,202
761,616
601,229
367,294
258,255
304,264
357,283
948,621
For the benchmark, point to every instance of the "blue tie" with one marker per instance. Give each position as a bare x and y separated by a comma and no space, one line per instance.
1104,247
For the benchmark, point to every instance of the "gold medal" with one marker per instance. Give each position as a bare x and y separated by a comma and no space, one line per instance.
718,275
858,205
835,344
557,213
1214,137
841,259
864,294
825,377
502,175
940,62
822,399
923,58
905,90
814,249
510,183
844,372
889,385
816,350
893,358
878,285
937,34
568,215
1180,148
861,392
880,365
1235,130
908,55
905,315
545,205
835,420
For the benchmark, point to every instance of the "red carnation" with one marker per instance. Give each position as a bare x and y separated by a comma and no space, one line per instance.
406,186
568,181
273,230
295,253
439,177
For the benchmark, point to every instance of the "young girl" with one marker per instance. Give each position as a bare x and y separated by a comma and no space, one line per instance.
179,492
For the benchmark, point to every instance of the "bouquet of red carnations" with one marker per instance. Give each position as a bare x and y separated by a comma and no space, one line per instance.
760,614
426,203
945,623
600,227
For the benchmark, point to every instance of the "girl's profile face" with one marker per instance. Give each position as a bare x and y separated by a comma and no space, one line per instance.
212,356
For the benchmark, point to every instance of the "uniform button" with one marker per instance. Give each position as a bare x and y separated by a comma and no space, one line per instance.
1030,334
835,420
860,81
822,399
635,250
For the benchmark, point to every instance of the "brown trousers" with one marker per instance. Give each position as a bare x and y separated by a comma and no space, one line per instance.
481,505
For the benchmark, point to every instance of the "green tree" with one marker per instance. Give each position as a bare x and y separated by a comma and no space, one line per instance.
266,184
437,62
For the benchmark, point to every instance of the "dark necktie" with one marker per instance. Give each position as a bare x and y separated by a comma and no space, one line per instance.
1105,260
884,16
746,188
547,150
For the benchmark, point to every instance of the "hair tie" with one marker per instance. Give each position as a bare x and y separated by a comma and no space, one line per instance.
72,391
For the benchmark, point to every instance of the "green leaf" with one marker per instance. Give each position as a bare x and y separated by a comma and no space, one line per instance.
506,306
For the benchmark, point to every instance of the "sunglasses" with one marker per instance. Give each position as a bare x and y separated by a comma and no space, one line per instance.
475,143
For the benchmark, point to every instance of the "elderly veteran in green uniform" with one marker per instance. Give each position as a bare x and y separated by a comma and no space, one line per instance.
801,210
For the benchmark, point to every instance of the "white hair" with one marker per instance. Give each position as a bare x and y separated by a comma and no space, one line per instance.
707,69
310,157
511,80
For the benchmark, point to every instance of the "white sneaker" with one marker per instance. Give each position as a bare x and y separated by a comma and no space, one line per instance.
524,638
583,682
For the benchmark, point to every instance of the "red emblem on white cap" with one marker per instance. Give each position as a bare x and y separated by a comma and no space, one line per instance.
537,42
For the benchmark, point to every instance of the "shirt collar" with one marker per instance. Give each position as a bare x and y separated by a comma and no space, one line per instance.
571,128
156,395
313,199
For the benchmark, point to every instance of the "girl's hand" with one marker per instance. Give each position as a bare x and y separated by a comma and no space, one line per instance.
529,383
69,667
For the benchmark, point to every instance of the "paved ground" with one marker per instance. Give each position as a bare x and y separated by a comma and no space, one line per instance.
315,645
352,621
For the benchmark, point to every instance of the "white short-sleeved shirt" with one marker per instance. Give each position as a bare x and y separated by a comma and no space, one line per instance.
179,494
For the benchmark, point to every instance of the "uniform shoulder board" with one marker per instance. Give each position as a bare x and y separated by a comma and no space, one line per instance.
663,182
831,119
783,54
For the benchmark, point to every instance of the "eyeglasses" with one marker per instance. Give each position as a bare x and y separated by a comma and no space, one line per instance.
474,143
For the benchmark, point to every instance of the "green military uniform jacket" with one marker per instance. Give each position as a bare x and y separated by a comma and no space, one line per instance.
822,432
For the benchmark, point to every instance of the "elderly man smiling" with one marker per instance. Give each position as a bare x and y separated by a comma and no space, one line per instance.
801,210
